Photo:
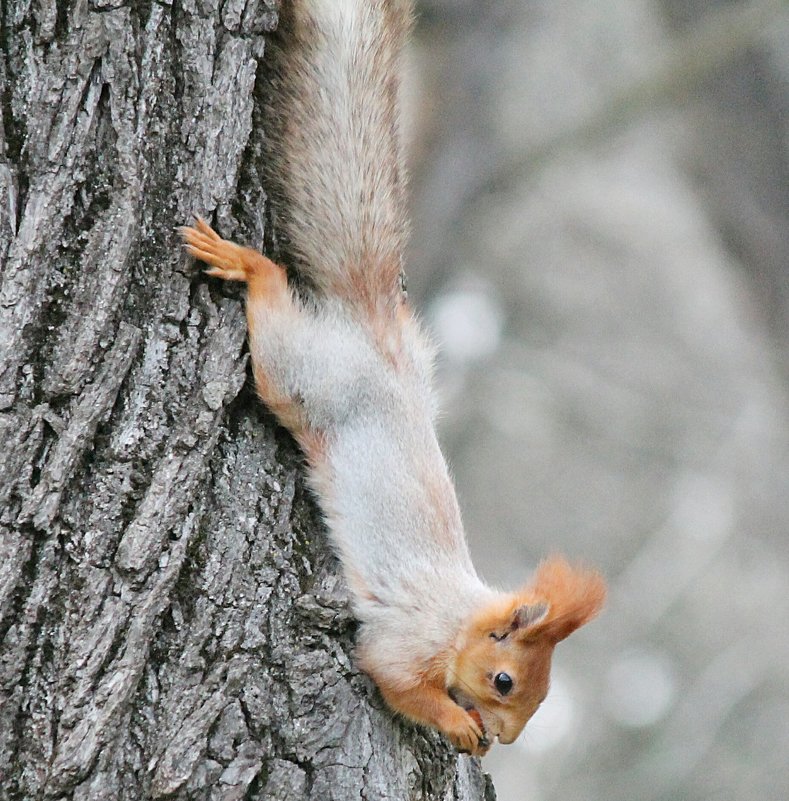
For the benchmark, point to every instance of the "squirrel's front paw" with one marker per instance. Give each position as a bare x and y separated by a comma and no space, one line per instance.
464,732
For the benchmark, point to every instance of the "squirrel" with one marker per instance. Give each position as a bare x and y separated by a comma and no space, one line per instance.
343,364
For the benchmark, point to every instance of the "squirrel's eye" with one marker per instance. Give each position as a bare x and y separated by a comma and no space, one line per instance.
503,683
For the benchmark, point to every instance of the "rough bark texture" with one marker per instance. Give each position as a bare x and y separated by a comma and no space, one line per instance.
171,622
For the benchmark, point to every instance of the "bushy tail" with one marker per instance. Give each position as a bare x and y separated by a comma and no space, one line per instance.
335,163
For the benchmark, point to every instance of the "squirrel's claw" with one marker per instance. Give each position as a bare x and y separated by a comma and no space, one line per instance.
204,228
203,243
464,733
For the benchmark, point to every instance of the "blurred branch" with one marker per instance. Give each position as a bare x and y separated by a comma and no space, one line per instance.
693,57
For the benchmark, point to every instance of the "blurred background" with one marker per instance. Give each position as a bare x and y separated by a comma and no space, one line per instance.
601,244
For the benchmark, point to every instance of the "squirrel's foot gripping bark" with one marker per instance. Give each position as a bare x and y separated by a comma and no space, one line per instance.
232,262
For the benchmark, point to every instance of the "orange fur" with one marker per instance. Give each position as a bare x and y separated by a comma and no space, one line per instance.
425,700
562,598
574,597
267,281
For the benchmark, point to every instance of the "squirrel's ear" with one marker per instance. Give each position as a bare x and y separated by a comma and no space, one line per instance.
528,615
574,596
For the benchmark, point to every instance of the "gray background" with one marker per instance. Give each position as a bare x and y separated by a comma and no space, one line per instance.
600,203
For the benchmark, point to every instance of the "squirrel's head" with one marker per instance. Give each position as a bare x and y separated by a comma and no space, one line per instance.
502,660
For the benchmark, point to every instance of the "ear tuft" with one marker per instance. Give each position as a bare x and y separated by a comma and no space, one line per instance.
529,615
574,595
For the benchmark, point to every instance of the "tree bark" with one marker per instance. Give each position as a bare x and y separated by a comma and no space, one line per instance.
172,624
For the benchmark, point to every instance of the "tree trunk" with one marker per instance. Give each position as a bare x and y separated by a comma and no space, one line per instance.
172,624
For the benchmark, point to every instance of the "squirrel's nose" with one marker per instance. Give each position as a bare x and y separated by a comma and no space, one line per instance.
510,735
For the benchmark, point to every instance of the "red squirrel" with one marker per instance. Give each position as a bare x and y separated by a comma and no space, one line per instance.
346,367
